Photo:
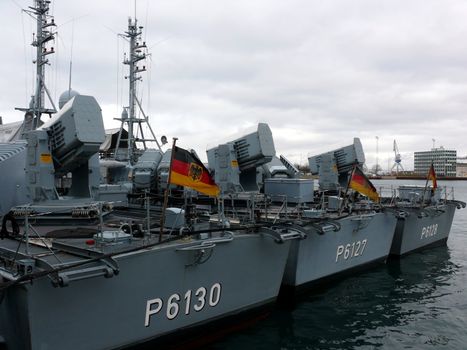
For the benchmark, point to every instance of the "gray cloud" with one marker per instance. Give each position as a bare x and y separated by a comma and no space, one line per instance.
320,73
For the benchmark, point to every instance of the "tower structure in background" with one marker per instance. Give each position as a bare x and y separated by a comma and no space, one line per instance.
377,165
397,159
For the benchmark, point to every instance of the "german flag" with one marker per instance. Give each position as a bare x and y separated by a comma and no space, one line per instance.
187,170
360,183
432,176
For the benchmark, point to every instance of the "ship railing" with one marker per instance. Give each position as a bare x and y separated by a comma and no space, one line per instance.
172,229
390,194
448,193
287,210
254,205
283,207
30,233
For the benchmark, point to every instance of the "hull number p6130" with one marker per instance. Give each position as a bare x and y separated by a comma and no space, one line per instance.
190,301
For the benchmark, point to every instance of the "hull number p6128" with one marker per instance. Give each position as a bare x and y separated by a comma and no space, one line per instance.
429,231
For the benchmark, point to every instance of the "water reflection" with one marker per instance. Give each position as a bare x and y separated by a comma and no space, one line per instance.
419,301
348,314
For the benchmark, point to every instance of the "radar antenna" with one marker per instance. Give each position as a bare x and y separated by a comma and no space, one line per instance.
45,34
397,159
138,52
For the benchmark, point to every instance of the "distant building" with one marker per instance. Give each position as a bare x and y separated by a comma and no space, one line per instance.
443,160
461,170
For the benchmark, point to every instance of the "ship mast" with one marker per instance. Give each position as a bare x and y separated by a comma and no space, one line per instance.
138,52
44,34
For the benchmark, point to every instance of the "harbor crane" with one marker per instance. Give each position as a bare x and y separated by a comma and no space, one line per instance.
397,159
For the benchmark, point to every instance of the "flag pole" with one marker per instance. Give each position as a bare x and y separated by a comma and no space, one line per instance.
166,192
347,190
426,185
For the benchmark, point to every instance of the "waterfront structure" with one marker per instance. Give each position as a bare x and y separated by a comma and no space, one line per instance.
444,161
461,170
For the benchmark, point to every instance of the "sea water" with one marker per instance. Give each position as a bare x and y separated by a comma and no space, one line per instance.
416,302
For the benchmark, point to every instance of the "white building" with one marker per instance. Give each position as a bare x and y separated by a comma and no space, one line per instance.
443,160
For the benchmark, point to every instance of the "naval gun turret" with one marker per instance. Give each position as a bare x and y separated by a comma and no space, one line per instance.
334,167
66,144
235,163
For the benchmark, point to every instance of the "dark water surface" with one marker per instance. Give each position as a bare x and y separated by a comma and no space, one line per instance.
416,302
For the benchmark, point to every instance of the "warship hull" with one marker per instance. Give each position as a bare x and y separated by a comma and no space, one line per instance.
423,228
157,293
358,242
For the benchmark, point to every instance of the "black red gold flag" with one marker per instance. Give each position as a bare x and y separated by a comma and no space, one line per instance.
360,183
432,176
187,170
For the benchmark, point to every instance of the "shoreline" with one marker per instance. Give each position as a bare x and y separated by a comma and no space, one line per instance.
416,177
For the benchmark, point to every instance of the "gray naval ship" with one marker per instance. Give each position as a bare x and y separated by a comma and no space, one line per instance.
111,286
341,236
425,219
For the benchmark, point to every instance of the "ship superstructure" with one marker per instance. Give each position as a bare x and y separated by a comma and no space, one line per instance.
12,135
135,124
128,163
341,235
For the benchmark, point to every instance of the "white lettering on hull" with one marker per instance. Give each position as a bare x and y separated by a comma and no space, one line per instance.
350,250
175,303
429,231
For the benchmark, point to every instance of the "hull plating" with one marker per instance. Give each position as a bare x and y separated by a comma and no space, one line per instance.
422,228
157,292
357,243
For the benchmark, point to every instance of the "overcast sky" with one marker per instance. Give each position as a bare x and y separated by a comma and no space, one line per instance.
318,72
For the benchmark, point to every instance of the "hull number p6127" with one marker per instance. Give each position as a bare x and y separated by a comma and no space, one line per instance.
350,250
